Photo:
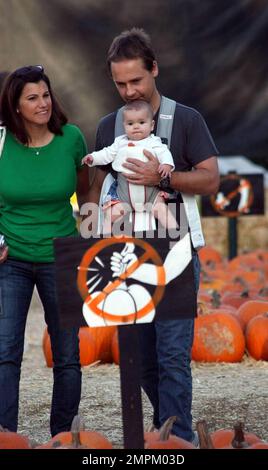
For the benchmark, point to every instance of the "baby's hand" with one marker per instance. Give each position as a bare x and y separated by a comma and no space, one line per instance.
87,160
164,170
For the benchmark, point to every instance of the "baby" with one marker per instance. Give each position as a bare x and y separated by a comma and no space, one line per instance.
138,124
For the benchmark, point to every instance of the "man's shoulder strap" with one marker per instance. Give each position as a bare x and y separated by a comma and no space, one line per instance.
165,120
118,127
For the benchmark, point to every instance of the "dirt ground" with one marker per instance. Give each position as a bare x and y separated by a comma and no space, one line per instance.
222,393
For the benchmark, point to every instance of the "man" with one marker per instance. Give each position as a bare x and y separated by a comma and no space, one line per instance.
165,346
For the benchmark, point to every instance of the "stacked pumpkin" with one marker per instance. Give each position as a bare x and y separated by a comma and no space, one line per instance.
233,307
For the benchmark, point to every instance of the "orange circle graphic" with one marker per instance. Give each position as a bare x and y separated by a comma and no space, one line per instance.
149,253
231,195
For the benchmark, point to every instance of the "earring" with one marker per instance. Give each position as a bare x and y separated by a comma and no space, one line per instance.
18,111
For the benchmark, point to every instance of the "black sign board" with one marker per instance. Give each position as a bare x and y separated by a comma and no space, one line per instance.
113,281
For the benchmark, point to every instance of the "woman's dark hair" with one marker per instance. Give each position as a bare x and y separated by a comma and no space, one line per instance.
10,95
132,44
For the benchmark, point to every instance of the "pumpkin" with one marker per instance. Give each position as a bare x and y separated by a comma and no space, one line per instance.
249,310
246,261
209,256
257,337
235,299
233,438
77,438
13,440
218,337
103,336
259,445
163,439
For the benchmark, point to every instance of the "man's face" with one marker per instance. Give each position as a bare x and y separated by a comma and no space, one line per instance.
133,81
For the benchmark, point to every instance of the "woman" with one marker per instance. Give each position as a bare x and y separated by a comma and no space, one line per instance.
39,171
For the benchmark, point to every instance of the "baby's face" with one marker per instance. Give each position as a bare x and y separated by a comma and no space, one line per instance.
138,124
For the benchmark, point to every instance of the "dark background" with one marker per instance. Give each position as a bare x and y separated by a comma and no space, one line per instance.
212,56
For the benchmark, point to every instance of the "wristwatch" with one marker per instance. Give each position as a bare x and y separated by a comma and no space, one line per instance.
164,183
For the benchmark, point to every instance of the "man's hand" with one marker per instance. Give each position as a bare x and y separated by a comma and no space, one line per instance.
145,173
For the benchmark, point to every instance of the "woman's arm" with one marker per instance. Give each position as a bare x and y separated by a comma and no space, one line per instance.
84,175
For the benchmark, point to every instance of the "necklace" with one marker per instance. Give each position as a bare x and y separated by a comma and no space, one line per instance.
35,150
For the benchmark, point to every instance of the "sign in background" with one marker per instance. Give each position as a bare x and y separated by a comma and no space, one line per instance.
238,195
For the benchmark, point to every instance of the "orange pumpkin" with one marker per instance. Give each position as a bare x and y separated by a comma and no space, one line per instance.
162,439
235,299
103,340
249,310
257,337
233,438
77,438
246,261
12,440
218,337
209,256
259,445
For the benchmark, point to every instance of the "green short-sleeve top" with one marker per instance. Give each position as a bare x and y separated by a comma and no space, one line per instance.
35,190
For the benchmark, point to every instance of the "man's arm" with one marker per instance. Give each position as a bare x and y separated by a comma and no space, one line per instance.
204,179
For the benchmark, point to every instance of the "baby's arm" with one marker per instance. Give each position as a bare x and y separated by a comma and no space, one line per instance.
166,162
87,160
165,170
103,156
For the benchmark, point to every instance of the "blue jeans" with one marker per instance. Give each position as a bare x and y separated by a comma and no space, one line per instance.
17,281
166,368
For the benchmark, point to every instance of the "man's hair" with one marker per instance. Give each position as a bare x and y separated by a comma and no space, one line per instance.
9,100
138,105
132,44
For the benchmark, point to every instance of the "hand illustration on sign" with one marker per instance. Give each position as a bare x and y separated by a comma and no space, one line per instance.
120,303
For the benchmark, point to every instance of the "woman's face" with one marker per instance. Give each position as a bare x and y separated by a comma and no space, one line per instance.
35,105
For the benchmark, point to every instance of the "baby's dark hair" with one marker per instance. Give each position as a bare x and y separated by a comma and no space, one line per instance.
138,105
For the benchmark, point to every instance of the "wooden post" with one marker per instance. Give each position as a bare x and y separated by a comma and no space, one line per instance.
130,387
232,237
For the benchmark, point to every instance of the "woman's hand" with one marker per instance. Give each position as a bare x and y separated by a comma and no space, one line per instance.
145,173
3,254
